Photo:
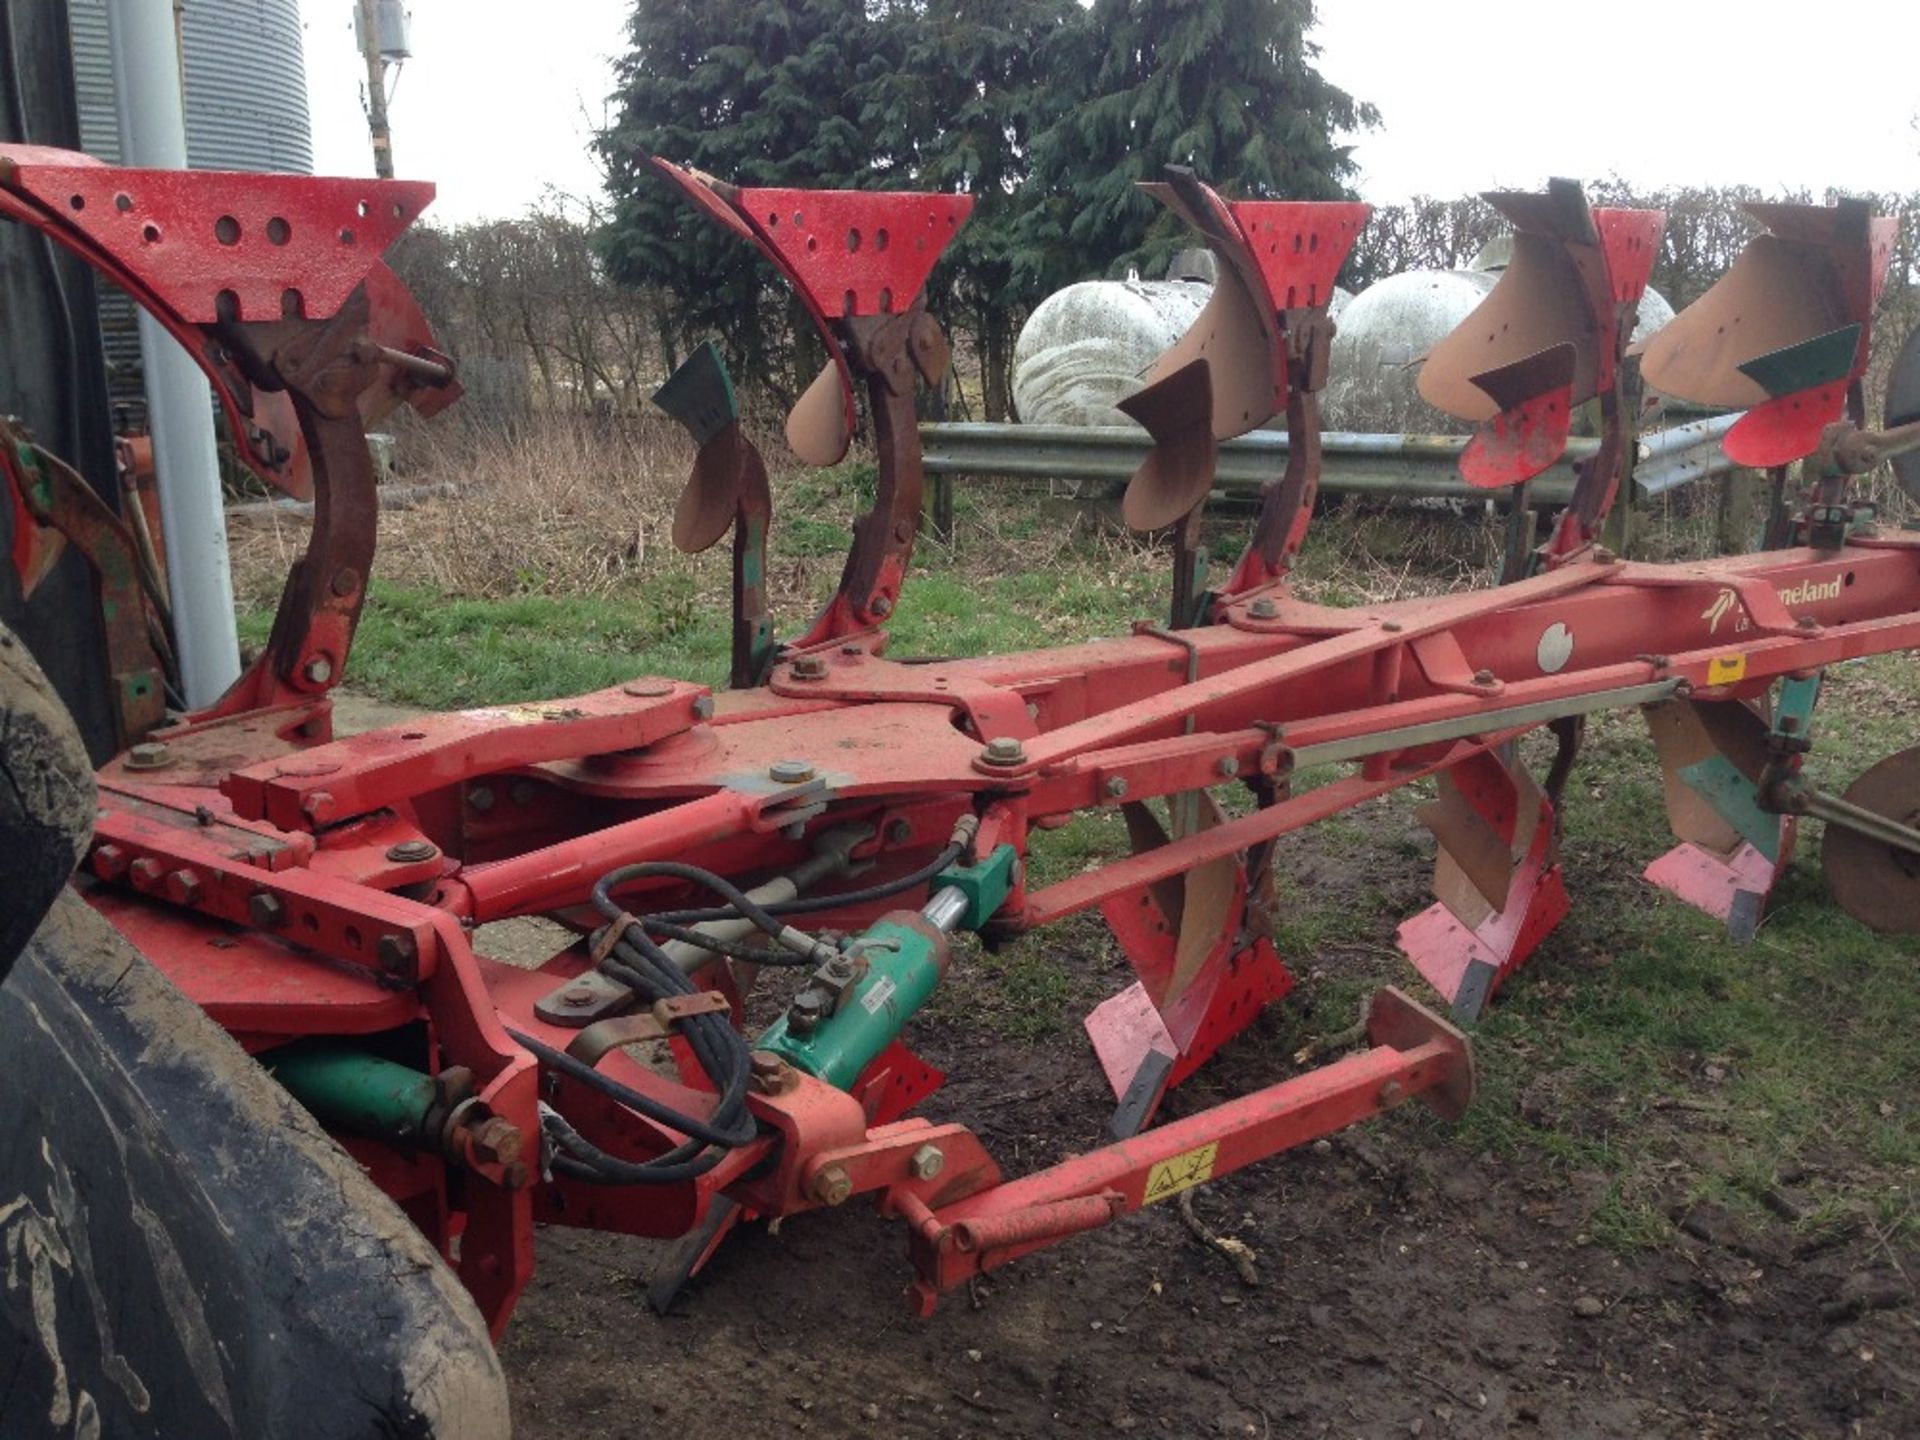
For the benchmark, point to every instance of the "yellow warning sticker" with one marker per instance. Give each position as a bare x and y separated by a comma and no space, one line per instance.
1725,669
1182,1172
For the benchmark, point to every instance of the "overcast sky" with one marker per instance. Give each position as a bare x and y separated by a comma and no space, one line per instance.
502,95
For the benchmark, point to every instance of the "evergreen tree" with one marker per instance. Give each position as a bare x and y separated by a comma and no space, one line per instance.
758,92
961,113
1226,86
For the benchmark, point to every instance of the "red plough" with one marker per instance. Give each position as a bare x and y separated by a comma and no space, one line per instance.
845,813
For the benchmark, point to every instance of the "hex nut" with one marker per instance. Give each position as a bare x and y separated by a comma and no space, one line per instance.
1263,609
809,667
832,1185
480,798
412,852
146,873
1005,750
109,862
149,755
703,708
790,772
266,910
1229,766
1116,787
882,606
183,887
927,1162
497,1141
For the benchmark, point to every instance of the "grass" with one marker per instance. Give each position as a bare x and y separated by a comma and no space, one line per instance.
1639,1044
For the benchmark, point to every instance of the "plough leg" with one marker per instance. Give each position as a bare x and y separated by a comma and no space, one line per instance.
1732,849
1497,878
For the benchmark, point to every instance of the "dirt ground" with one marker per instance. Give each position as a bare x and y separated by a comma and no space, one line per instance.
1406,1288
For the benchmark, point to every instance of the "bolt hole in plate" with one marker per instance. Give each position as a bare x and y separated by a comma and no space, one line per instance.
126,213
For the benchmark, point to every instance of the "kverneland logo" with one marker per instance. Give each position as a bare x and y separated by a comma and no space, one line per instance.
1808,591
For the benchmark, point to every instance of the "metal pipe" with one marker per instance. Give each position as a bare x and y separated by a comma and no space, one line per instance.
1357,463
945,909
153,134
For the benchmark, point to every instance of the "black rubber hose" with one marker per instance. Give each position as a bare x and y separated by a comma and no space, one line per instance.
814,904
644,1104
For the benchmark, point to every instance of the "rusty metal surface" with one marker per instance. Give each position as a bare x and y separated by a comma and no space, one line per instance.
1876,883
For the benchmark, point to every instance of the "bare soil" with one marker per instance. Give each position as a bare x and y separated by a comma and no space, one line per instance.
1406,1287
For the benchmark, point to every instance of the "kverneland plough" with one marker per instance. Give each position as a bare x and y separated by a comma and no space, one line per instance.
844,813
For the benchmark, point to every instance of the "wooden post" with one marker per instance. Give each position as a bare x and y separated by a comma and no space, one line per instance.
1738,524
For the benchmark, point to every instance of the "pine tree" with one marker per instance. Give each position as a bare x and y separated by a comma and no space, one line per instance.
758,92
1226,86
962,111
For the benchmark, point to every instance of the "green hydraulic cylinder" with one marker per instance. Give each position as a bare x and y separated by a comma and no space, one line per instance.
905,956
350,1090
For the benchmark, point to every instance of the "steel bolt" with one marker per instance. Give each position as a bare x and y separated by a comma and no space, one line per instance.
882,606
1483,677
1391,1094
899,832
145,873
790,772
1229,766
806,1012
497,1141
1005,750
577,998
109,862
1604,556
345,581
703,708
318,806
149,755
480,798
927,1162
319,670
183,887
1392,627
810,667
832,1185
1116,787
1263,609
769,1072
266,910
412,852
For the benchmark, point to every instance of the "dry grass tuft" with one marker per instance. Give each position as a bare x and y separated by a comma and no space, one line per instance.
564,504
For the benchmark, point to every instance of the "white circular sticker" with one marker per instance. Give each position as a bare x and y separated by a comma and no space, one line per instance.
1555,648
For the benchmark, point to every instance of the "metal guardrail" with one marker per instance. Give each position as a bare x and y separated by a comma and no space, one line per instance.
1355,463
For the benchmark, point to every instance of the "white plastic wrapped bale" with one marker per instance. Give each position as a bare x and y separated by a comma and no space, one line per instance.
1387,327
1085,347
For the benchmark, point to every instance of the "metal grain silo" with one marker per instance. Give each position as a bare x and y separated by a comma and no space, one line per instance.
246,104
246,83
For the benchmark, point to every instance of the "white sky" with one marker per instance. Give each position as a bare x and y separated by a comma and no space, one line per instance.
499,102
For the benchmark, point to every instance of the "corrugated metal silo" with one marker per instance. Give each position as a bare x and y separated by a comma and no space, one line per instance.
246,101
